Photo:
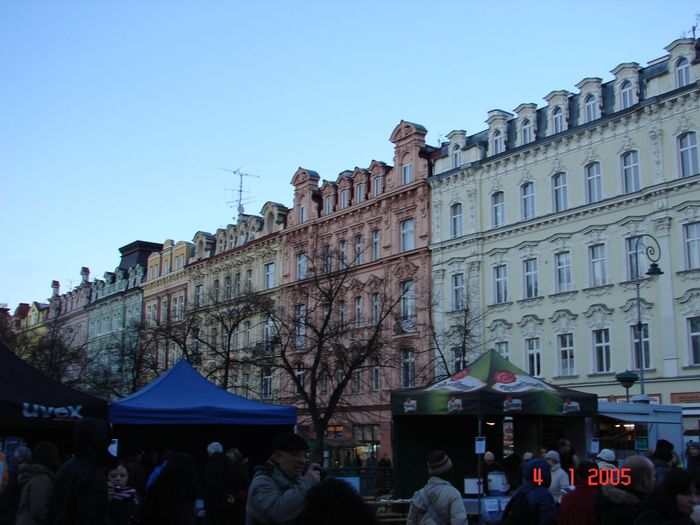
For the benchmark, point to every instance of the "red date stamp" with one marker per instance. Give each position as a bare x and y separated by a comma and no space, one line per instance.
596,477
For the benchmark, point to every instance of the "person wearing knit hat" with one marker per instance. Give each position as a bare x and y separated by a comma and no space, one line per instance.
606,459
560,478
437,502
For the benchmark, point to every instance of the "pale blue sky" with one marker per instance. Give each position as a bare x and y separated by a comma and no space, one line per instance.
114,115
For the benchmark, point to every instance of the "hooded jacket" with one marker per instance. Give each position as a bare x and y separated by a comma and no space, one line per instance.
617,506
37,483
443,498
536,481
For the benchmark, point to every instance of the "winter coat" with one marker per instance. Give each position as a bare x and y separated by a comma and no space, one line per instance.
617,506
540,501
694,469
219,486
441,496
577,506
274,497
123,507
560,480
651,517
36,482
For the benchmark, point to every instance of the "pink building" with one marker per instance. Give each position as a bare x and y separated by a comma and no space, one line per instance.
367,233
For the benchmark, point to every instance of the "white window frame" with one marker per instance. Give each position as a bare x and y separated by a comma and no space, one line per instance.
626,95
594,183
269,275
632,259
456,157
688,154
342,318
299,373
560,196
500,284
565,346
359,306
498,207
377,186
407,229
533,355
645,344
530,278
499,142
682,72
407,173
527,200
301,265
266,383
344,199
302,214
358,248
360,192
562,269
408,368
376,307
590,108
558,120
300,326
376,244
458,289
456,216
598,264
691,236
375,380
693,324
408,305
630,171
527,129
502,347
601,350
330,204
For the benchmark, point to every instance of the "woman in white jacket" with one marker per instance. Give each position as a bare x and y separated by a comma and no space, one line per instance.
560,479
438,503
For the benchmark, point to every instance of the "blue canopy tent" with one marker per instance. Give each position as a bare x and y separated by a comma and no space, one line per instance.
183,411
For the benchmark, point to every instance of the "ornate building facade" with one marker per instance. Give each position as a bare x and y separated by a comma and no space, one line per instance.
541,221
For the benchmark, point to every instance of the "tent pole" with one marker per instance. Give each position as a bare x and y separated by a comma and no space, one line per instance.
479,482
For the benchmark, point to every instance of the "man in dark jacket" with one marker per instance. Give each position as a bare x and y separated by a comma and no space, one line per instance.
620,505
539,508
79,494
219,486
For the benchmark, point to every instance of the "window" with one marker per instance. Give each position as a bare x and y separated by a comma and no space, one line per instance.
456,157
299,373
458,291
266,383
502,348
499,210
357,381
358,249
246,334
268,332
598,265
377,186
300,332
633,271
500,280
344,199
341,314
637,352
499,143
408,368
376,307
626,94
358,311
694,340
327,259
330,204
237,284
215,291
407,231
325,382
360,192
630,172
594,183
456,220
408,306
407,174
565,342
558,120
692,245
164,311
341,255
301,265
376,244
560,196
269,275
166,266
527,200
302,214
688,152
227,287
458,360
530,278
527,131
562,264
590,107
374,371
534,365
198,295
682,72
601,350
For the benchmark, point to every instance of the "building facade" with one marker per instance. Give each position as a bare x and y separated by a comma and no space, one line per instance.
544,218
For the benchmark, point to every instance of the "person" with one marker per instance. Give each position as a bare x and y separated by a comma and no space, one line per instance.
577,505
277,493
137,472
219,486
671,502
242,481
80,488
372,460
153,476
4,471
438,502
567,456
10,497
489,465
123,500
606,459
384,461
512,467
335,501
560,478
531,502
693,454
36,482
620,504
662,459
170,500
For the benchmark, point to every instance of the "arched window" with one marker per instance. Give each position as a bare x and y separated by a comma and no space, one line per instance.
456,157
527,131
682,72
630,172
558,120
594,184
499,143
591,110
456,220
688,154
626,94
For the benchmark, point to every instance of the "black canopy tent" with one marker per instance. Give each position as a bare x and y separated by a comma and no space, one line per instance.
36,407
449,415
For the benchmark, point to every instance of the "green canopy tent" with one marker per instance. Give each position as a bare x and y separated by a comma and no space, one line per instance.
450,414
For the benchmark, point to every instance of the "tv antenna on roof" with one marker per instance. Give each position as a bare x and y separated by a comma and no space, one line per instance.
240,174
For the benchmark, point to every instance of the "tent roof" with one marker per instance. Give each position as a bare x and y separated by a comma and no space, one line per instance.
182,396
29,398
492,385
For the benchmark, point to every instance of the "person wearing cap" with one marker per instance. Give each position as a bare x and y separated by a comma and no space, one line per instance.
606,459
560,479
277,493
438,502
489,465
219,486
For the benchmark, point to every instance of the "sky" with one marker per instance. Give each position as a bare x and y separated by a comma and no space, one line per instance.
117,115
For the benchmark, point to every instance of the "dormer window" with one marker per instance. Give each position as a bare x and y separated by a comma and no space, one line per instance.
360,192
499,143
527,131
682,72
456,157
558,120
591,111
377,186
302,217
407,174
329,205
344,199
626,94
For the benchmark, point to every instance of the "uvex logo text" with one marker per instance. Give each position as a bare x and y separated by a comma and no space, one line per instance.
68,412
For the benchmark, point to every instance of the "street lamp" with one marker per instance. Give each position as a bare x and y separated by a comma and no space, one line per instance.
627,379
653,253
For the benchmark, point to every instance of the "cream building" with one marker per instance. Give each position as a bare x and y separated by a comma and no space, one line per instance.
535,222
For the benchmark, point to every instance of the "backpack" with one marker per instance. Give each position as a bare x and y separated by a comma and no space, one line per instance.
519,512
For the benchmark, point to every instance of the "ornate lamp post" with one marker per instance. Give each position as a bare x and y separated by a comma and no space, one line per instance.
652,252
627,379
